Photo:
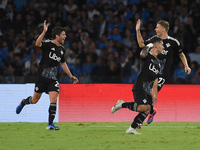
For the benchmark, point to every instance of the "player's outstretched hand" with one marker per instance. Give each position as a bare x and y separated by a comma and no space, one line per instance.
137,28
187,70
74,79
45,26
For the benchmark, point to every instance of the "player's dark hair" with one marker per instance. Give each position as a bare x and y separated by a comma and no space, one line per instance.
156,39
57,31
164,24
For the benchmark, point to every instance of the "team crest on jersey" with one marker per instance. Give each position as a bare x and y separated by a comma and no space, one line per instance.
145,101
53,48
168,45
61,52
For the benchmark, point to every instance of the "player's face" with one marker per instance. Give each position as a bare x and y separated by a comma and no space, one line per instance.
159,30
62,37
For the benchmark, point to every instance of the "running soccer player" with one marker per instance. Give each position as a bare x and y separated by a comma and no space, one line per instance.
146,84
171,45
47,78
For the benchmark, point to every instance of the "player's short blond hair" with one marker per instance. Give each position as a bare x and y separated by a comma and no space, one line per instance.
164,24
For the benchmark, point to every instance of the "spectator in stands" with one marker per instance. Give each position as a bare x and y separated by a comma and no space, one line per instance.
33,60
4,49
103,42
125,66
133,60
101,27
10,78
115,35
70,7
196,78
195,56
92,11
180,77
20,47
98,72
30,77
20,5
116,23
10,14
77,68
88,65
127,39
113,72
41,6
18,66
62,14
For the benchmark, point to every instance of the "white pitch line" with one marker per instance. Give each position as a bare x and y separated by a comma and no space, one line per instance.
144,126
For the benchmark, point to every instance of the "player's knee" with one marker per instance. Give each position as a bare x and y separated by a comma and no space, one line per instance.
53,100
141,108
144,108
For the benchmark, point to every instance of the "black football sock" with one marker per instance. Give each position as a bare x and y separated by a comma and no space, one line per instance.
138,120
27,101
152,109
52,112
130,105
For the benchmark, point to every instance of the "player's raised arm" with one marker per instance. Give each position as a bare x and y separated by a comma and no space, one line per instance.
145,50
139,36
38,42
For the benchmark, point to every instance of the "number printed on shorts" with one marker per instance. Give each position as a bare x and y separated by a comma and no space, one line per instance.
161,81
57,84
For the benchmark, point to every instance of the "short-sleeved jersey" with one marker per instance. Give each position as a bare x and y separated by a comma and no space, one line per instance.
52,56
149,71
171,46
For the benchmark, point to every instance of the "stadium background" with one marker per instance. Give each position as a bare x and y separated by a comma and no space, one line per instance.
101,45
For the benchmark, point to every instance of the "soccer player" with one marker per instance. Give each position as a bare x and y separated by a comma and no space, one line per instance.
171,45
47,79
146,84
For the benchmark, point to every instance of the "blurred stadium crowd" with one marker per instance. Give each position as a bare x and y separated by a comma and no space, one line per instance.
101,44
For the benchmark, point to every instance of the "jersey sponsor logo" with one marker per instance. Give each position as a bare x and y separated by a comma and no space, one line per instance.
54,57
164,52
153,68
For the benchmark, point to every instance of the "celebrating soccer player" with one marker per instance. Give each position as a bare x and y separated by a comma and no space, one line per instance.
47,79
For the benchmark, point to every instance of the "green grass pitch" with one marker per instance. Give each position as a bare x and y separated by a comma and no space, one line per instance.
99,136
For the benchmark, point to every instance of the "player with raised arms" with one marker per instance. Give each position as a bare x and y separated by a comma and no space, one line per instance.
146,84
47,79
171,46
